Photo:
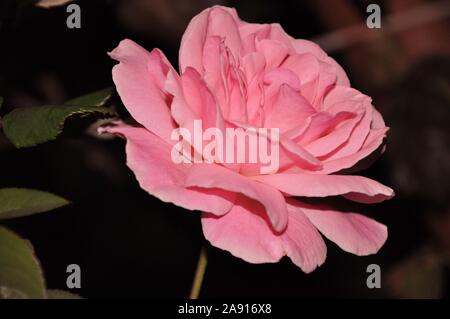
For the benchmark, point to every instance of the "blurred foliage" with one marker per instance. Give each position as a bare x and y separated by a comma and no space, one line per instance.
18,202
30,126
20,272
21,276
61,294
420,275
97,98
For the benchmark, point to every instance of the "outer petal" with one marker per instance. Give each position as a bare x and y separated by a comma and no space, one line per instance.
352,232
302,242
215,176
357,188
149,158
372,143
139,79
246,233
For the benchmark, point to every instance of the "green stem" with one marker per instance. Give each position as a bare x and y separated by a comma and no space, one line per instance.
199,274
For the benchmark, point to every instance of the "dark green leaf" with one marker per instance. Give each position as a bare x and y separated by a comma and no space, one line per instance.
98,98
27,127
17,202
20,272
61,294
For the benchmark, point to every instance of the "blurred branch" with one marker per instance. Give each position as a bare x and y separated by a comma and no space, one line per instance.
346,37
51,3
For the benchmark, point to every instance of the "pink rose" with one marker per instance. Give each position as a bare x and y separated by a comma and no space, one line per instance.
238,74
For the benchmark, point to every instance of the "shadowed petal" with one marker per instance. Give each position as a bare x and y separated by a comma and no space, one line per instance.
357,188
246,233
215,176
149,158
352,232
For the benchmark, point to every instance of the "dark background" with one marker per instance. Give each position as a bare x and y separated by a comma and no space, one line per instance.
130,244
